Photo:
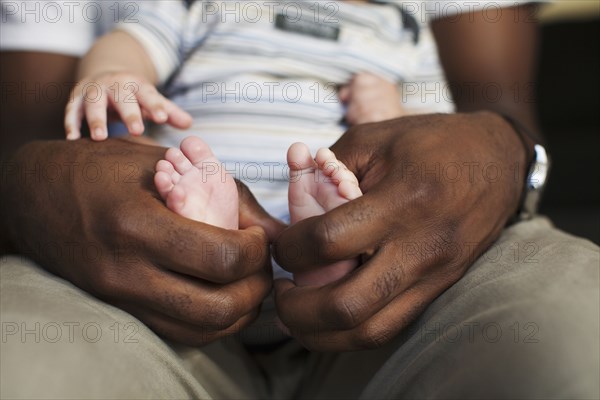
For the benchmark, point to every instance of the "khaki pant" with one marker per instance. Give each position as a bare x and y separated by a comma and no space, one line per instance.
522,323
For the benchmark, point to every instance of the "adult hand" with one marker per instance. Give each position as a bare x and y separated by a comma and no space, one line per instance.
438,191
128,96
89,213
370,98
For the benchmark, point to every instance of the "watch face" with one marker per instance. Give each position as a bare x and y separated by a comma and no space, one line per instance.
539,169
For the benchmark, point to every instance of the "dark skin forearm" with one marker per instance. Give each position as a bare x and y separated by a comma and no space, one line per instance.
490,63
35,88
35,91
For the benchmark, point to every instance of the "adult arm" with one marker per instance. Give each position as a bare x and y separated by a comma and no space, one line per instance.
439,189
33,84
490,63
36,87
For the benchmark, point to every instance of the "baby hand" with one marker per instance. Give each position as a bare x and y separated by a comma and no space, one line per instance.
129,96
371,98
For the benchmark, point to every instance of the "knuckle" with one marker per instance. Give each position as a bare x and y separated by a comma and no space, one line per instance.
428,190
373,336
104,281
120,77
222,314
95,110
132,116
345,311
427,198
153,103
94,94
122,227
150,92
447,230
442,243
230,269
324,239
147,87
389,283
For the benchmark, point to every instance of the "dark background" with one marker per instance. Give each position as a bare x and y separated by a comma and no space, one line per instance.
568,97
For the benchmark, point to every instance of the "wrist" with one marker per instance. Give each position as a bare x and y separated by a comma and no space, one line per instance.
535,171
527,138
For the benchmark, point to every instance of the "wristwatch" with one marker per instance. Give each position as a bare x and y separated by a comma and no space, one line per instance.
536,176
534,183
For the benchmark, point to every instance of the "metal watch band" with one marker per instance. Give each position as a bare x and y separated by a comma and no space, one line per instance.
535,182
537,174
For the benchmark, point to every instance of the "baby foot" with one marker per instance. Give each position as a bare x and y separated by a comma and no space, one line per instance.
193,184
317,186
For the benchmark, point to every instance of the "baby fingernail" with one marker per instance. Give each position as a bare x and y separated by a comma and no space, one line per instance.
137,127
99,133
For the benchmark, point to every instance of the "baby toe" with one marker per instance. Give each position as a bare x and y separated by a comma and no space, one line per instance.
196,150
324,155
163,183
349,190
176,199
179,160
299,157
165,166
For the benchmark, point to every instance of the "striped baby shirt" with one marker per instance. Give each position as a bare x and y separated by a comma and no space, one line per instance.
258,76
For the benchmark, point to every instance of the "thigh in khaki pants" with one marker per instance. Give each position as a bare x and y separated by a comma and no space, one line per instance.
60,342
522,323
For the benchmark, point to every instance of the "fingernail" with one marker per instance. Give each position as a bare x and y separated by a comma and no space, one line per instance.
136,127
99,133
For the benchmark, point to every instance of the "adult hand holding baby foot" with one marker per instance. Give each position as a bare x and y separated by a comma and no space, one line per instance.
371,98
416,230
189,281
318,186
